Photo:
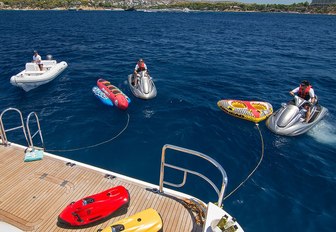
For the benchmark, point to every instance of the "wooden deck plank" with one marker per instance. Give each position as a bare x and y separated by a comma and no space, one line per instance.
81,192
33,194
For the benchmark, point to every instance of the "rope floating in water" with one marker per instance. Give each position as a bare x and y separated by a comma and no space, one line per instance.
95,145
253,171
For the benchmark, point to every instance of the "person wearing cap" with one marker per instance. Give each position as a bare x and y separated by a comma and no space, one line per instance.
305,91
37,59
139,67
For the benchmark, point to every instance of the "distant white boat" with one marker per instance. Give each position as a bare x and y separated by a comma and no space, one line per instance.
32,76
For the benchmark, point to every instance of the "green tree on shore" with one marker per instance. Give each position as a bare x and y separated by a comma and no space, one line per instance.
303,7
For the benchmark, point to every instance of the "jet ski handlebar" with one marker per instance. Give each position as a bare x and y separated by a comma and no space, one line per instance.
300,101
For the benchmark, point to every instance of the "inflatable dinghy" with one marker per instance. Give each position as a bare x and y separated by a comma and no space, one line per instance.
32,76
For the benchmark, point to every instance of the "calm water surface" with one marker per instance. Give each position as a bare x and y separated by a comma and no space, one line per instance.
196,59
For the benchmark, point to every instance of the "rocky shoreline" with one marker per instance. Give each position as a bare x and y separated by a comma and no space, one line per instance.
167,6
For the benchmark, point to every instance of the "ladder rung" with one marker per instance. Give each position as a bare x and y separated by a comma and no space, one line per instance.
35,134
14,128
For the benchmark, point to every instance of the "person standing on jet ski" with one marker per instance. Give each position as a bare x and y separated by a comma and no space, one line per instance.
305,91
140,66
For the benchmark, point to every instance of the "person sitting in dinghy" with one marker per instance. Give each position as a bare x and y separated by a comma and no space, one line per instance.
139,67
37,59
305,91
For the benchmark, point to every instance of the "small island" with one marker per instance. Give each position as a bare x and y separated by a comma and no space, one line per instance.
316,7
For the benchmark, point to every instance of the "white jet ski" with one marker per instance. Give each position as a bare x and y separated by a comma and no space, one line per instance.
32,76
144,87
289,120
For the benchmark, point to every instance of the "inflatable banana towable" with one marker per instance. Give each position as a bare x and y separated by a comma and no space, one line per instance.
118,98
102,96
254,111
148,220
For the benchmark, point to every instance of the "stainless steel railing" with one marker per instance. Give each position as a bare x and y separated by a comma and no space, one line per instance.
26,132
4,131
164,164
31,143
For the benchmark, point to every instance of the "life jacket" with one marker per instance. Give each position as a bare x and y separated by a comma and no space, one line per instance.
141,66
304,92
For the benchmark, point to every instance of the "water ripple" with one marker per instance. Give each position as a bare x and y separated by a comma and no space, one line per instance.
196,59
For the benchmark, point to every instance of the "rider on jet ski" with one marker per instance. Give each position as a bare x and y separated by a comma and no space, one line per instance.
140,66
305,91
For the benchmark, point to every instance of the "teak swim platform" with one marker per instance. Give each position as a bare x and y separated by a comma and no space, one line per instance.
33,194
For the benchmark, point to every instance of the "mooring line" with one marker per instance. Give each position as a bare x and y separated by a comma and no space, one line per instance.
261,158
95,145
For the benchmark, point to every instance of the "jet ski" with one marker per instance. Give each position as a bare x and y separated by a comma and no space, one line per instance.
143,87
289,120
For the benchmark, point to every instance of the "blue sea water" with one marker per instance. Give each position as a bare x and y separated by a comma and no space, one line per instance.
196,59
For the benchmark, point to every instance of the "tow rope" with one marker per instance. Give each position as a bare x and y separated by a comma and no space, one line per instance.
253,171
97,144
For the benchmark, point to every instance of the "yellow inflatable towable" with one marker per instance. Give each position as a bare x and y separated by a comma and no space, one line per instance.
148,220
254,111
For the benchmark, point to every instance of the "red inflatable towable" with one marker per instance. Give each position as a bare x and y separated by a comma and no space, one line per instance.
95,207
116,95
